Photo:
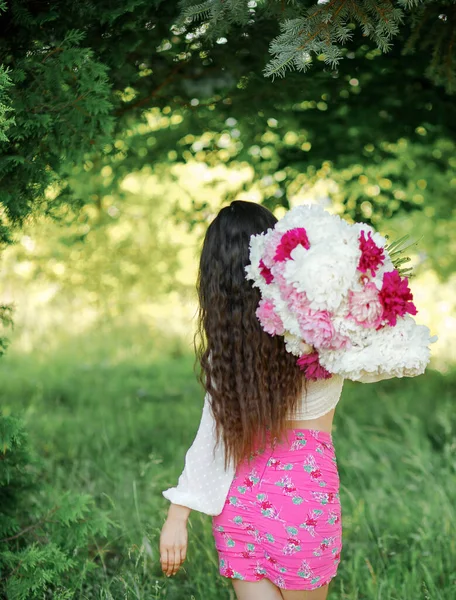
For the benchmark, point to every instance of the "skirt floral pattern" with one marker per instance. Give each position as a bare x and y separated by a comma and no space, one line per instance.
282,516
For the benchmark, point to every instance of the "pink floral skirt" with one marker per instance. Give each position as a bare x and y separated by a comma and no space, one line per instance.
282,516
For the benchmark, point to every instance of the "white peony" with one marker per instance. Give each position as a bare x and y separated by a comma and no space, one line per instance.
256,246
324,272
400,351
293,344
318,223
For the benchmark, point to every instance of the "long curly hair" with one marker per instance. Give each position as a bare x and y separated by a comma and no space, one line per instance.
252,381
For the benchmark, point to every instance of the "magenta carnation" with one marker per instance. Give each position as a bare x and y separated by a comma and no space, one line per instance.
265,272
290,239
371,255
396,297
310,364
269,319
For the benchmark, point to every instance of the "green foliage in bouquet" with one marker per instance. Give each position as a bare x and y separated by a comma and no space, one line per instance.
47,541
397,252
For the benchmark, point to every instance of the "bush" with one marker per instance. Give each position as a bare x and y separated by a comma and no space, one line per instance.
48,540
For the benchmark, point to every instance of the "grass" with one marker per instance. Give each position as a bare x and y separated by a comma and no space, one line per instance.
112,414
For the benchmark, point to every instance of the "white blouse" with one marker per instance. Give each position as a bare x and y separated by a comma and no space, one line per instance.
204,482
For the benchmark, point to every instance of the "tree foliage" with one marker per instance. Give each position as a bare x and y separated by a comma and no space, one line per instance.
311,29
92,91
134,84
47,543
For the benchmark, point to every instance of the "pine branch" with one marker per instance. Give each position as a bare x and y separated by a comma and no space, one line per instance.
410,3
327,27
324,27
41,521
416,30
449,65
198,11
146,100
6,121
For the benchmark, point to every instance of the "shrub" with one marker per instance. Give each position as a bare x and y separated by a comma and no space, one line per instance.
48,541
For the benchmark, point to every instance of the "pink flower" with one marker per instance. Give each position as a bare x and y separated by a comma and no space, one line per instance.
291,239
339,341
316,327
269,319
365,306
371,255
310,364
298,302
286,290
396,297
265,272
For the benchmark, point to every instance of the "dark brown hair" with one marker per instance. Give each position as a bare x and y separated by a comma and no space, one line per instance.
251,379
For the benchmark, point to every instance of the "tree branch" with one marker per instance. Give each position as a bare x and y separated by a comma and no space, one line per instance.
147,99
30,527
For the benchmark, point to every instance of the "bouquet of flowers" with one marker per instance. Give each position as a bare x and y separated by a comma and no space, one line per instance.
332,290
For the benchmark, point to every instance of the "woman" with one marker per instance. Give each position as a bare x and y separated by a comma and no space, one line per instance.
263,461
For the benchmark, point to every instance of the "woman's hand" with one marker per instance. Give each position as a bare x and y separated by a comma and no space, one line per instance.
173,539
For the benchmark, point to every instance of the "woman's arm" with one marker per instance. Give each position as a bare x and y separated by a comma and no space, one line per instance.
173,539
204,482
203,486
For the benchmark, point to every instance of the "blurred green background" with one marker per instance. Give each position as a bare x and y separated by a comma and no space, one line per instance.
129,134
100,367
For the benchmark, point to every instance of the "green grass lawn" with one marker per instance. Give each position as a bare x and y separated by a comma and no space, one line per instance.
113,414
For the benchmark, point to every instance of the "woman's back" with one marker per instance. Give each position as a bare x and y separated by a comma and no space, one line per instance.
318,398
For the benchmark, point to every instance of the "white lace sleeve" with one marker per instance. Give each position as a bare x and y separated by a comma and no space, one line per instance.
204,482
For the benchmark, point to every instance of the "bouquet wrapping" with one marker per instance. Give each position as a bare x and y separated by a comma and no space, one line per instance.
332,290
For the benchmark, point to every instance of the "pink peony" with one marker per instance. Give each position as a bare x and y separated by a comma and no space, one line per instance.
290,239
298,302
316,327
269,319
339,341
265,272
396,297
371,255
286,290
310,364
365,306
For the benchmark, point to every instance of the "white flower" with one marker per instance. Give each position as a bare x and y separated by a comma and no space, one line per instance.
319,224
289,320
377,237
324,273
400,351
293,344
256,246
